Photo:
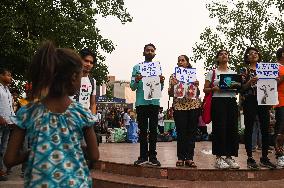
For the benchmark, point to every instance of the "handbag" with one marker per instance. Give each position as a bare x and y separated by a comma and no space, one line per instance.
206,109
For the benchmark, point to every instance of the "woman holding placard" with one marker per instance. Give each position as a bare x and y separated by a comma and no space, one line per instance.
185,115
251,109
224,115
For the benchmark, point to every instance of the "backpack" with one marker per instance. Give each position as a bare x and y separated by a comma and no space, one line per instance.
76,96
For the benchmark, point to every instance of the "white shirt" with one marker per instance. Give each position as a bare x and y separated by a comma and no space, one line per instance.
85,92
161,119
6,104
126,119
217,80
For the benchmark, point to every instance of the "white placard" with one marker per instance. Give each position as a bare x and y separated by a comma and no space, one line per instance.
149,69
266,70
267,92
182,90
152,88
186,75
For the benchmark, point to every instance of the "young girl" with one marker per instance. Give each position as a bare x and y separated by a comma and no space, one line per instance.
54,124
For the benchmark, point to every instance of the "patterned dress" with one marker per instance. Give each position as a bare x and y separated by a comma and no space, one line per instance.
56,158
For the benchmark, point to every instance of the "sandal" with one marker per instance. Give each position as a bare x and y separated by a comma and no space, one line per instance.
179,163
190,164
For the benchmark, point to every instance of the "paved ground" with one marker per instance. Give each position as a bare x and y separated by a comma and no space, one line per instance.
127,153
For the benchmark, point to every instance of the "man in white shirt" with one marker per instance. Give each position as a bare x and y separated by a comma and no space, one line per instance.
6,110
87,93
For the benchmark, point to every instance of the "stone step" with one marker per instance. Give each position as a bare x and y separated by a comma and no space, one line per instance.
109,180
190,174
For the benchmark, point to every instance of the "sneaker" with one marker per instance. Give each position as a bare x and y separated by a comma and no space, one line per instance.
140,162
252,164
265,162
154,162
221,163
280,162
232,163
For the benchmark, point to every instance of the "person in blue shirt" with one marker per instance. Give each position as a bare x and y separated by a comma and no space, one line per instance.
146,109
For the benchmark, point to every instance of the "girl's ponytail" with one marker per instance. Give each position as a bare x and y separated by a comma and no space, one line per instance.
43,69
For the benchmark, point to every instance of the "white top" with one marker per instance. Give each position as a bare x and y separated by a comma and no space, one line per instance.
161,119
217,80
6,104
85,92
126,119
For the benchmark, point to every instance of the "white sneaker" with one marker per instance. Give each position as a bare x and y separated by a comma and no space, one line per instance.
232,163
221,163
280,162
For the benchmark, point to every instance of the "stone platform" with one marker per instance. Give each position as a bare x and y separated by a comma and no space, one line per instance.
116,169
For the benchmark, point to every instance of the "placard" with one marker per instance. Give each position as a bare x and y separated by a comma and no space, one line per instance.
150,69
185,75
230,81
267,70
152,88
267,92
182,90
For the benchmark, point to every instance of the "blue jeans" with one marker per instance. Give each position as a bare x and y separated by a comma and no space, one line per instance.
4,137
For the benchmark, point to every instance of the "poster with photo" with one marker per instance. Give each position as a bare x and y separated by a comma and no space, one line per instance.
267,92
182,90
152,88
179,90
185,75
191,91
150,69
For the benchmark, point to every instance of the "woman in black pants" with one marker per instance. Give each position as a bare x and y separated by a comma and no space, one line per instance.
224,115
251,109
186,120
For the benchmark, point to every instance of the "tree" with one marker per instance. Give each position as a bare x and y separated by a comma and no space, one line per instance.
24,24
240,24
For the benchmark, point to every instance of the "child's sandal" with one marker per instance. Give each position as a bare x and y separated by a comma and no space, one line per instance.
190,164
179,163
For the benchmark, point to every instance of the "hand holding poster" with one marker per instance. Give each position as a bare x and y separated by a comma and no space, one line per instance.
266,70
185,75
149,69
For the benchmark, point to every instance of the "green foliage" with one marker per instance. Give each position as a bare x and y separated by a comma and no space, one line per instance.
24,24
241,24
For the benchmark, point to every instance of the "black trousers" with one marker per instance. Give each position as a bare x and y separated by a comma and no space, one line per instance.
144,113
251,109
224,113
186,125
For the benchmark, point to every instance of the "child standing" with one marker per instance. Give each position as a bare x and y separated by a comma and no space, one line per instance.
54,124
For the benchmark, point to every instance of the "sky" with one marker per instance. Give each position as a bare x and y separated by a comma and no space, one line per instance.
172,26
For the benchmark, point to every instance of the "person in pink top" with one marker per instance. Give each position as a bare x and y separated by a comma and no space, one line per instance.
279,110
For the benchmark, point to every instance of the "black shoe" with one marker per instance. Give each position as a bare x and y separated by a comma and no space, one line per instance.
154,162
140,162
265,162
252,164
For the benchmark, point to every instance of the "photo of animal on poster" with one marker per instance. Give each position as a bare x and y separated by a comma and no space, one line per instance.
152,87
182,90
267,92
